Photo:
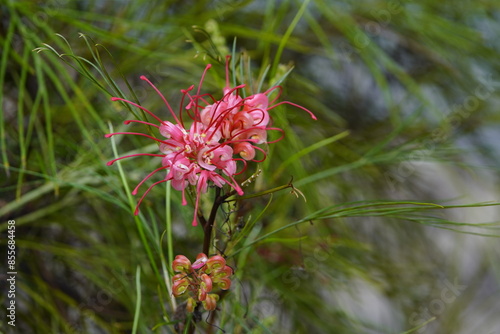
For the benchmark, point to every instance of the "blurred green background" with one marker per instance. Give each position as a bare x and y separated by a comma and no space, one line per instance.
407,97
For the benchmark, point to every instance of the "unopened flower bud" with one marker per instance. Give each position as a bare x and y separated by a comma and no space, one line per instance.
216,262
190,305
201,259
210,302
206,283
225,271
180,286
181,264
224,283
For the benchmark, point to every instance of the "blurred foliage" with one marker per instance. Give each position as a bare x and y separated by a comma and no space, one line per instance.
407,99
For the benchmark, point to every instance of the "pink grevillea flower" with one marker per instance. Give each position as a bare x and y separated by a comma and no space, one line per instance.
200,278
203,150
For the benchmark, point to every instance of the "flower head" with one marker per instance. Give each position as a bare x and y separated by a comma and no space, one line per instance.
203,150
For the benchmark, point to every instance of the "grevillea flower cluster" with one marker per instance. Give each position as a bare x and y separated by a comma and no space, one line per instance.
206,147
199,279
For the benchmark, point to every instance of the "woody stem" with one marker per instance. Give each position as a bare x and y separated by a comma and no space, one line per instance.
207,230
208,226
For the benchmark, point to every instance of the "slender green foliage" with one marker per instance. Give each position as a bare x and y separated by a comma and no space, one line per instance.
386,198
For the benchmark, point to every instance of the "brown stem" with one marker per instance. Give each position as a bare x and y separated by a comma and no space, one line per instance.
191,327
207,237
207,228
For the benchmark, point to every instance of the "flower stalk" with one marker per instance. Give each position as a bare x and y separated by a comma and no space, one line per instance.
206,142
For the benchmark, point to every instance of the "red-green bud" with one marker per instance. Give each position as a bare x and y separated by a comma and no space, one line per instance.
179,287
202,294
181,264
215,262
210,303
224,283
225,271
190,305
205,287
206,282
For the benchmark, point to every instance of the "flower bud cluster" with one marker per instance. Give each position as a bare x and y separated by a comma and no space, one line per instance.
200,278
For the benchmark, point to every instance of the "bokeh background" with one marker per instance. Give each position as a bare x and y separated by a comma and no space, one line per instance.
407,99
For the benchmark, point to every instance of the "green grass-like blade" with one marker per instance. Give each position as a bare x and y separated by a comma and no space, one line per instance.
286,37
138,302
